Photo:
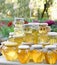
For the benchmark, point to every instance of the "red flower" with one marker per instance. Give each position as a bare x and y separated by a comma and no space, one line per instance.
25,22
9,24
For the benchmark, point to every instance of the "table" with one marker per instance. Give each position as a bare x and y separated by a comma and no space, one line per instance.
4,62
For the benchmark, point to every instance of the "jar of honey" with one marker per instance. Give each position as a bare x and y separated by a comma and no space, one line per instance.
9,50
43,30
28,33
37,53
23,54
35,32
52,38
50,55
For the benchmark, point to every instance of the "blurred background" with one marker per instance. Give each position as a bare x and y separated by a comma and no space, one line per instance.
31,10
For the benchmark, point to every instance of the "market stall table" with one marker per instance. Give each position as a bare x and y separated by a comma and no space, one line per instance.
4,62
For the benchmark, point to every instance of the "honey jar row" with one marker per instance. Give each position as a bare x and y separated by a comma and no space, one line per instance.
26,53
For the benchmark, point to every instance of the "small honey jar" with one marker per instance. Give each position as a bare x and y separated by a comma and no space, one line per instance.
52,37
37,53
50,55
9,50
23,54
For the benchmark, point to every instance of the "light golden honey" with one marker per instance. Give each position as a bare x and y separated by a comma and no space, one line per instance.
11,39
43,38
10,53
37,56
18,40
50,57
35,36
23,56
28,38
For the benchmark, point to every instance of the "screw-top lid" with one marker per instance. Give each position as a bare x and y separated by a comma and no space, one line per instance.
25,43
50,47
43,24
23,47
9,43
33,23
36,47
52,34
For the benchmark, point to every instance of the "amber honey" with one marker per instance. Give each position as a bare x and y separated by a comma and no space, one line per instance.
37,54
23,54
9,51
50,55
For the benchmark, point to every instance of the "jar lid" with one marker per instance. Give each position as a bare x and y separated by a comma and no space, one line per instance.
18,35
25,43
52,34
9,43
23,47
43,24
33,23
49,47
36,46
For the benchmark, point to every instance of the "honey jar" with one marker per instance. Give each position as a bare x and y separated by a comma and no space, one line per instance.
37,53
9,50
23,54
43,30
52,38
35,32
50,55
28,33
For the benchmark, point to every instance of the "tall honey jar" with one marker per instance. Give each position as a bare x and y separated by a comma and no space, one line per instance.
35,32
28,33
52,37
37,53
9,50
43,30
50,55
23,54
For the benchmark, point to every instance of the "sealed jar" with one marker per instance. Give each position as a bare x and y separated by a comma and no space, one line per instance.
35,32
50,55
28,33
9,50
52,37
37,53
23,54
43,30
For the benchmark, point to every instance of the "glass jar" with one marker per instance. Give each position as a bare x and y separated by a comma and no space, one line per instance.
50,55
28,33
23,54
52,38
43,30
9,50
37,53
35,32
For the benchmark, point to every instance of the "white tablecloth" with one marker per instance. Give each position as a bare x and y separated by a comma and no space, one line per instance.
4,62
